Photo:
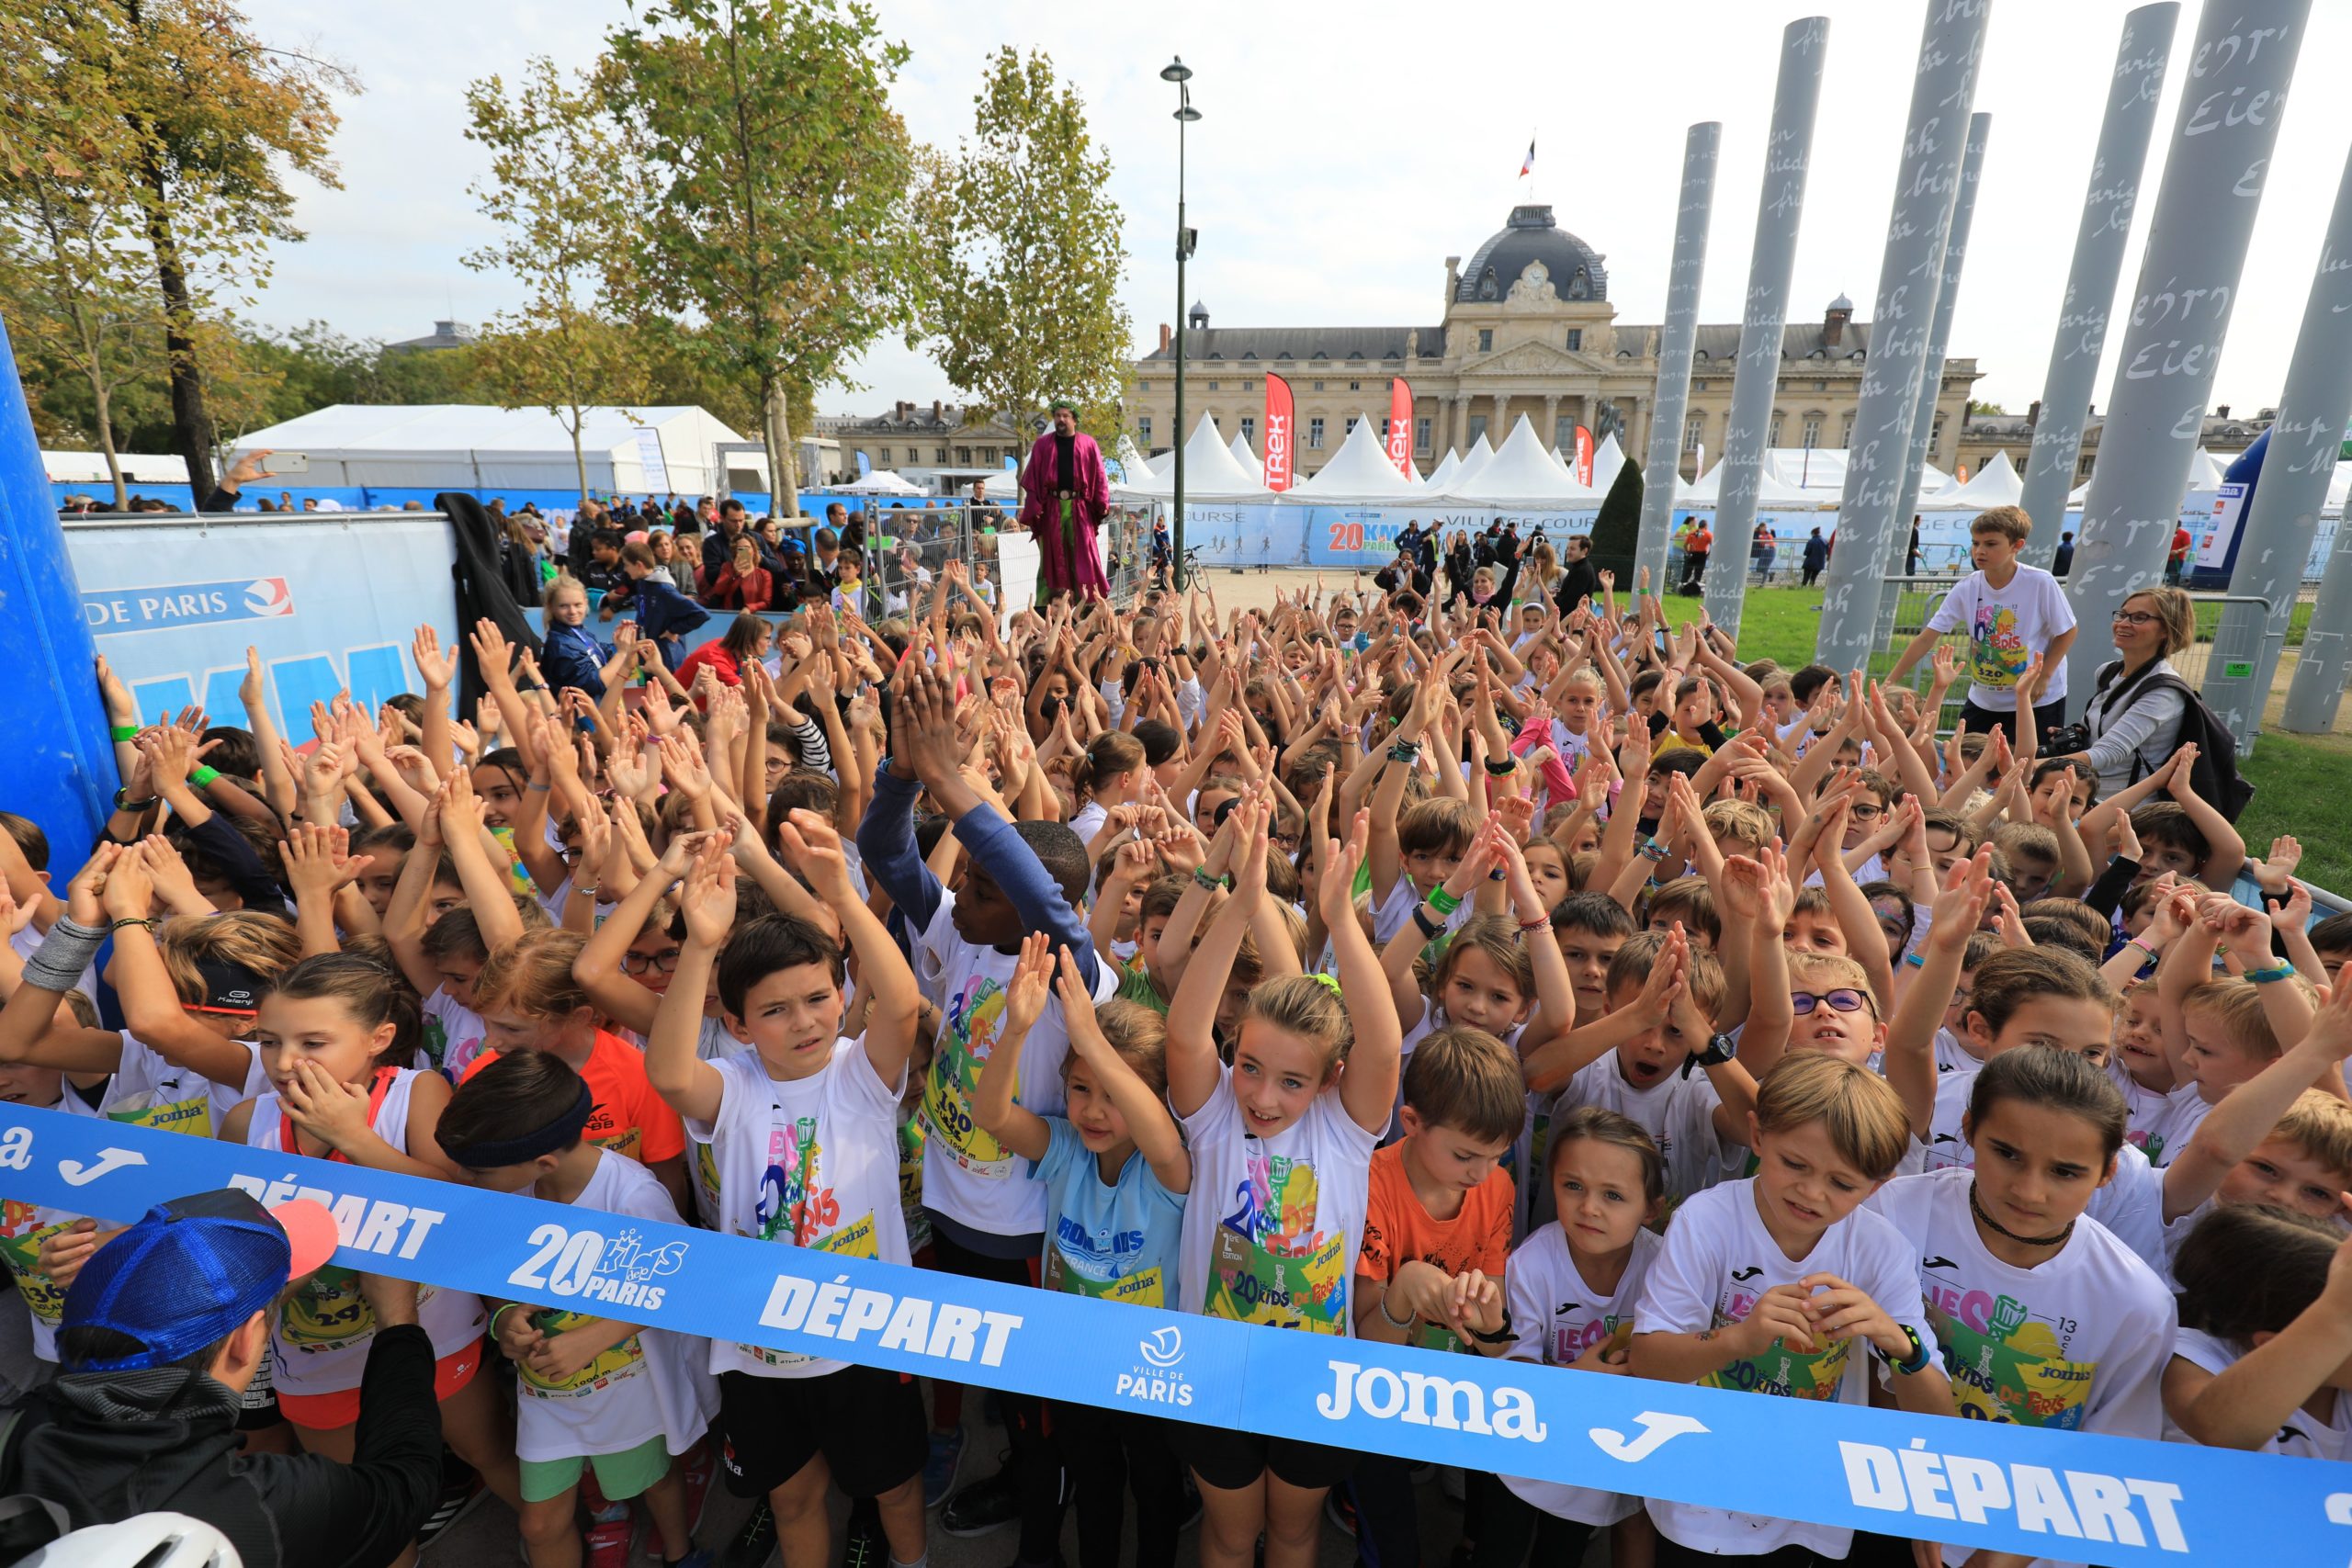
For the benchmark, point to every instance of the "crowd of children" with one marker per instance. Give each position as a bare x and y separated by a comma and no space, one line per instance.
1538,981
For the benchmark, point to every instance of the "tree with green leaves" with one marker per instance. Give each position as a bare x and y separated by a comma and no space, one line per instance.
777,178
556,192
1022,241
1617,527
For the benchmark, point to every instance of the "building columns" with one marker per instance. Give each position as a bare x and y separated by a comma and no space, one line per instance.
1552,420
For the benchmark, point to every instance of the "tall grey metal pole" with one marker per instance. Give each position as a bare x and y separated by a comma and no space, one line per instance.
2132,93
2317,689
1931,364
1788,154
2219,159
2280,527
1934,138
1700,148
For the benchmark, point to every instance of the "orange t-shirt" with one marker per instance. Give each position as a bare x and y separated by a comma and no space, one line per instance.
1398,1228
630,1118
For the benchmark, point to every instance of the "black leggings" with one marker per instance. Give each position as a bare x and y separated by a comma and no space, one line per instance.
1109,1453
1035,1468
1508,1524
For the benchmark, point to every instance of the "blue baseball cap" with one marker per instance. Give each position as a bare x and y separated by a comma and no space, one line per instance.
191,1272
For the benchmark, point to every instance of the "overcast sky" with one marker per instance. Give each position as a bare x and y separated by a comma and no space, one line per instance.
1346,151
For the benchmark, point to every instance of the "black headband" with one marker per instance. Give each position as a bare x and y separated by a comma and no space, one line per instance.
554,1138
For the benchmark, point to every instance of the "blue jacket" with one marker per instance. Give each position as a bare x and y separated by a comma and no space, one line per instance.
571,657
661,610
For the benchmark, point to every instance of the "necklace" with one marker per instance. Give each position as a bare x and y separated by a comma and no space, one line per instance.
1983,1218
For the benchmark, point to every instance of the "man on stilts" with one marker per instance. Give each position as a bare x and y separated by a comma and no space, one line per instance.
1064,494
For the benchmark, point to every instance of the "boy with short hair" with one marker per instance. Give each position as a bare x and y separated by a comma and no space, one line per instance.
2013,614
593,1390
1590,927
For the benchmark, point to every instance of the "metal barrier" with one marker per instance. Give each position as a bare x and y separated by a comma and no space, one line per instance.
896,587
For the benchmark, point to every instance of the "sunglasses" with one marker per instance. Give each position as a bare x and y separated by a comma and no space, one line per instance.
1845,999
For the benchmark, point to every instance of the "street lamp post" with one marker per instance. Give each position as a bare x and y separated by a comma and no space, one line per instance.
1176,71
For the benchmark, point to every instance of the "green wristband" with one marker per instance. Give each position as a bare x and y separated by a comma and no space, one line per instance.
1443,902
125,731
2264,977
203,777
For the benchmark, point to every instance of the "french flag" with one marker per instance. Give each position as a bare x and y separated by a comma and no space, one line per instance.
1528,168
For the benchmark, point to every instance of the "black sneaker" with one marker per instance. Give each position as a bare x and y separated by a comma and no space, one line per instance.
754,1544
983,1508
862,1547
460,1490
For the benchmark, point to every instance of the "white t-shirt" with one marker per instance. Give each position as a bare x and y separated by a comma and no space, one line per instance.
319,1342
1088,819
2301,1436
148,1090
652,1385
453,1032
1394,913
2006,627
1557,1318
2160,1125
1678,1113
814,1163
966,1174
1273,1224
2077,1342
1717,1260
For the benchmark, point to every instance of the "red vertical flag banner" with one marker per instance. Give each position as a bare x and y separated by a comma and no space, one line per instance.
1280,446
1400,426
1584,455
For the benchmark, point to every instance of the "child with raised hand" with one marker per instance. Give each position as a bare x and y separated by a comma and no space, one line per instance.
1571,1298
2265,1334
1770,1285
1302,1105
804,1129
2043,1316
595,1390
987,1215
330,1041
1116,1173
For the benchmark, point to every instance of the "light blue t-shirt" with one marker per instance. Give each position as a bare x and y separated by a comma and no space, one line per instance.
1118,1243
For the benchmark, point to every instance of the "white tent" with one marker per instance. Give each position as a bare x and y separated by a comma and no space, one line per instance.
1820,472
2205,472
1132,462
1159,465
1211,472
1606,460
1995,484
1359,470
881,481
1448,469
1477,456
1523,472
1772,493
1250,462
663,450
90,468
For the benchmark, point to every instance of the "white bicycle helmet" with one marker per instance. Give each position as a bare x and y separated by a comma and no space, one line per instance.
151,1540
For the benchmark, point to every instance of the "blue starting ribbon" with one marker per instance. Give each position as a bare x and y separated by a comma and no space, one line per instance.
2064,1494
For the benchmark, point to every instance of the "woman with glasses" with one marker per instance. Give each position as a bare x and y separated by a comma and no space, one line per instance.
2134,712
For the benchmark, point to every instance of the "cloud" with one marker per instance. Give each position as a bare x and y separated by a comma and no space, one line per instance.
1345,152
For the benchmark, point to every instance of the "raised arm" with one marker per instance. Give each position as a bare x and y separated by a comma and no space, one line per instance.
2246,1115
1007,1120
693,1089
1368,1087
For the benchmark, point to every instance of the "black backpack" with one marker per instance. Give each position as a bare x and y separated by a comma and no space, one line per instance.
2214,774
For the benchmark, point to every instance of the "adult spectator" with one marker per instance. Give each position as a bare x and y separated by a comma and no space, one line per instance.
985,512
746,641
163,1331
1762,551
1579,581
2177,560
1695,551
2063,562
740,581
1911,550
1817,556
2135,709
224,496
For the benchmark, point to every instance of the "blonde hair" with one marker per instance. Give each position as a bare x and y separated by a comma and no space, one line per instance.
2175,613
1497,937
1741,820
1138,1036
558,585
1830,971
247,938
2236,1005
2321,1125
1860,1111
532,975
1303,1005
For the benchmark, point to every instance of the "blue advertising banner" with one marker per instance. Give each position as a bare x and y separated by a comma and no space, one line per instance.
1965,1483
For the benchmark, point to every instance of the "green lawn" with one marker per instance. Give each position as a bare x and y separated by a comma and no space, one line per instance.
2295,776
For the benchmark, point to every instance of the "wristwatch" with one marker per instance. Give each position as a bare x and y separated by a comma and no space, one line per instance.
1720,1048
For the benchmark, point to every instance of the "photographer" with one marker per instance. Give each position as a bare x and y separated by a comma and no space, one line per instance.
2132,722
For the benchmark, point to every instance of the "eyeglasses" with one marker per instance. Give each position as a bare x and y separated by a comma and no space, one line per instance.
666,961
2135,618
1845,999
1862,813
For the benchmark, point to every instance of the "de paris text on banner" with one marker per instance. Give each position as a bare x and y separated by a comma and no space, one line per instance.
2060,1494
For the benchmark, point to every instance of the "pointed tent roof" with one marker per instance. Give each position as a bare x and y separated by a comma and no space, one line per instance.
1773,492
1522,470
1606,460
1132,462
1995,484
2204,471
1211,472
1474,458
1251,464
881,481
1359,470
1448,467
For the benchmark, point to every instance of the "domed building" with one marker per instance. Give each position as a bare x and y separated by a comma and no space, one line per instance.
1526,328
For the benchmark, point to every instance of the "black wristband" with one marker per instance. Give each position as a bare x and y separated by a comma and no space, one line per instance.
1429,928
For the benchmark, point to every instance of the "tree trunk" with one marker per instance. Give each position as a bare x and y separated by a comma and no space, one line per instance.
784,490
192,430
103,403
579,462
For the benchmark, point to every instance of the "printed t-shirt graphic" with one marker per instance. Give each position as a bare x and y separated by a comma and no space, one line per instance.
1274,1264
1110,1241
1998,656
22,1228
975,1016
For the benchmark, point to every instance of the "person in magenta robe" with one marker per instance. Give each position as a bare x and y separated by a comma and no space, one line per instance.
1064,494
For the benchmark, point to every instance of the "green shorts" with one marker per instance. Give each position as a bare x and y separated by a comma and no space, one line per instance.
621,1475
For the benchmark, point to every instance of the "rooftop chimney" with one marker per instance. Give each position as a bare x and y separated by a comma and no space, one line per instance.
2221,411
935,417
1166,337
2033,414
